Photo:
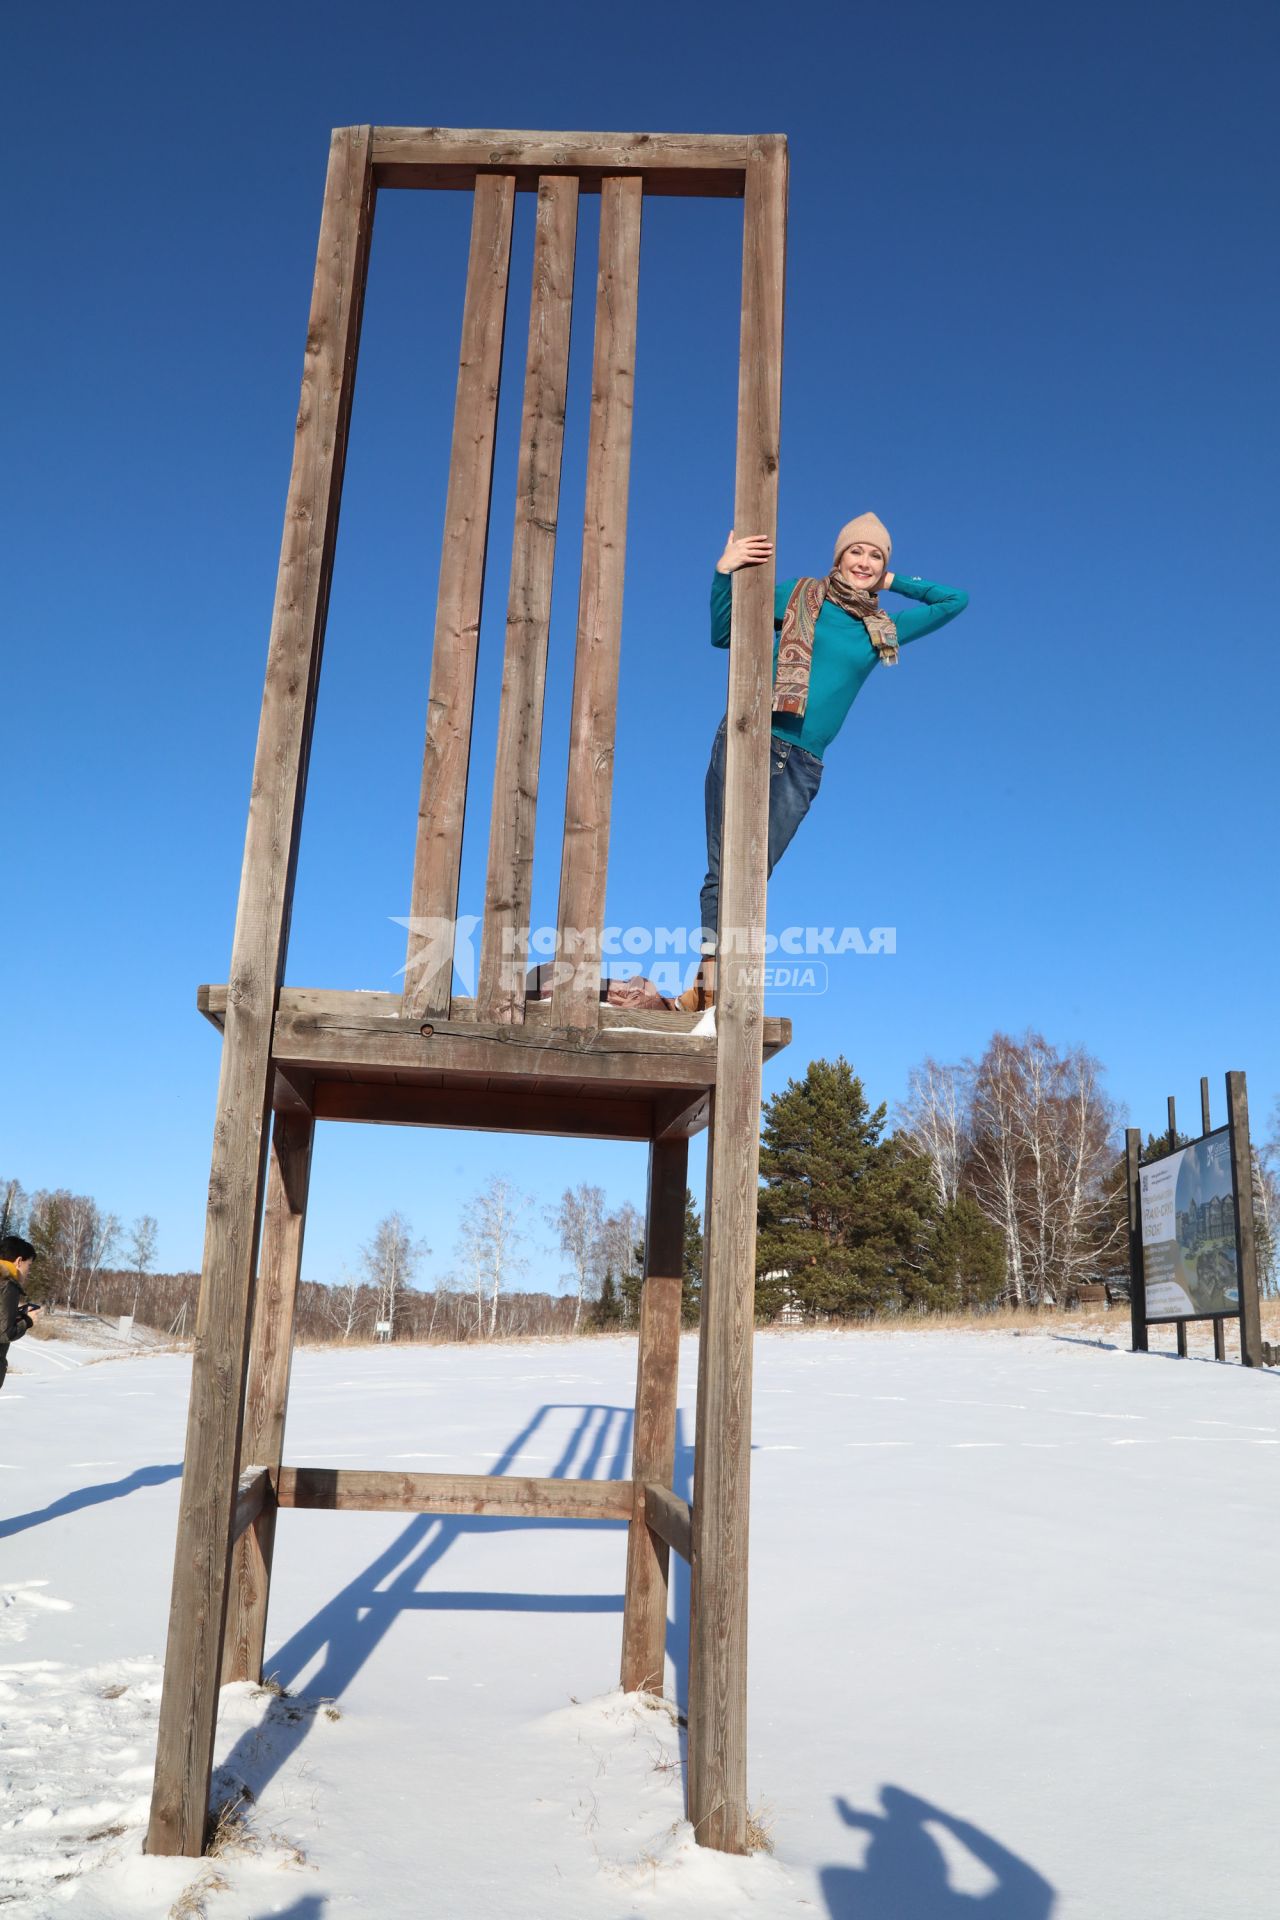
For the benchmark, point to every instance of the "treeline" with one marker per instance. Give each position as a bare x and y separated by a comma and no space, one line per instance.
991,1189
1001,1182
481,1297
75,1239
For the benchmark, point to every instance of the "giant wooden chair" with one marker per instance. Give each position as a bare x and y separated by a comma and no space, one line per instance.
570,1065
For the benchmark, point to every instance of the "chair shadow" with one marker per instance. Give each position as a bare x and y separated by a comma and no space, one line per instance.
350,1626
94,1496
905,1875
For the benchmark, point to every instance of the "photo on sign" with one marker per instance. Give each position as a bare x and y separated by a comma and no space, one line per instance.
1189,1232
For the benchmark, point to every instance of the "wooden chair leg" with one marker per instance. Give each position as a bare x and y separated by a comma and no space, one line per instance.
202,1562
718,1656
644,1619
271,1352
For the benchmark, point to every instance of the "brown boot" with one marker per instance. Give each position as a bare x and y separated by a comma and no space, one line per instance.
702,994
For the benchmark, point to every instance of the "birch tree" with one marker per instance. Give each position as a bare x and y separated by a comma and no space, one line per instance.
1040,1147
344,1303
390,1261
933,1118
491,1245
13,1207
141,1252
1266,1218
994,1166
72,1237
621,1237
578,1220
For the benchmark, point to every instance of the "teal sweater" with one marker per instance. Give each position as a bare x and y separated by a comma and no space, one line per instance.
843,655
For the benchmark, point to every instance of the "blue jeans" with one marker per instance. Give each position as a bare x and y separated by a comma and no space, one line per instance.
794,777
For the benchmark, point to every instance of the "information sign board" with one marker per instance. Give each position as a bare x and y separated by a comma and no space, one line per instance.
1189,1232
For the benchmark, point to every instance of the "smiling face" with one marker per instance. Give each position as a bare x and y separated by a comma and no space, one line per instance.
862,565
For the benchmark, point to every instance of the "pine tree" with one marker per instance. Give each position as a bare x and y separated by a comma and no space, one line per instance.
844,1215
691,1289
966,1265
607,1308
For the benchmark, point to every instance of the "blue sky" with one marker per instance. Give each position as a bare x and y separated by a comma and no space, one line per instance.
1030,321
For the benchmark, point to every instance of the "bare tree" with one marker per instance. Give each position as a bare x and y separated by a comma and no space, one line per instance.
621,1244
73,1238
579,1223
491,1242
344,1303
13,1207
994,1162
390,1261
1266,1216
141,1249
933,1118
95,1234
1040,1143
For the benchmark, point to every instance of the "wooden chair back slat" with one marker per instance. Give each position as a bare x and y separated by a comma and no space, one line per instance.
451,696
509,888
584,856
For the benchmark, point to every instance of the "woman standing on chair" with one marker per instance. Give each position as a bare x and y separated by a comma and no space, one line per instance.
831,633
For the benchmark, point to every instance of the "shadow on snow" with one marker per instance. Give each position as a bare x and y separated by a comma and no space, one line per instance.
906,1876
350,1626
91,1497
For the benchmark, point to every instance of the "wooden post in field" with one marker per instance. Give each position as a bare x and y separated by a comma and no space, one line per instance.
1137,1282
718,1654
188,1710
644,1620
270,1352
1246,1231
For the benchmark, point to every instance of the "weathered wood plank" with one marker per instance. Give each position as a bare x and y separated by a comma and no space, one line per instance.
676,1116
267,1395
451,697
368,1008
708,165
627,1070
590,1117
672,1041
362,1491
644,1620
565,1069
509,889
584,859
252,1489
670,1518
188,1709
718,1660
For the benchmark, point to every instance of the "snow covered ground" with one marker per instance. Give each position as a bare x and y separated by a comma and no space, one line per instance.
1012,1644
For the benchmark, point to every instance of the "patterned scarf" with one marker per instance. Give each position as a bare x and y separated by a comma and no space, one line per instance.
795,645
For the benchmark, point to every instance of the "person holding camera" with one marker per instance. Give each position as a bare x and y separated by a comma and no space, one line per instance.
16,1255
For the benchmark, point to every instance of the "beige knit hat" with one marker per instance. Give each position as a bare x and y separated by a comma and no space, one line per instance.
869,528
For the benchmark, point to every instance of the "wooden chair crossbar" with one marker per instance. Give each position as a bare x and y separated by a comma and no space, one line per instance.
567,1065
